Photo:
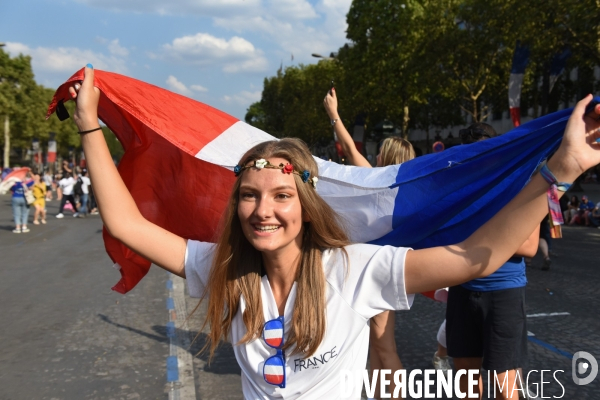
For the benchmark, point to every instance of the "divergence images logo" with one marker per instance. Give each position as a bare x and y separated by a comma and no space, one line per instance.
581,367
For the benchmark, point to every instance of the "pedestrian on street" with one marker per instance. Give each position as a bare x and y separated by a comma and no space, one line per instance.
49,181
66,185
283,256
39,192
19,205
85,189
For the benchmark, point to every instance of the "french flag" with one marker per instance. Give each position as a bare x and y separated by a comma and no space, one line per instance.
179,157
515,82
51,148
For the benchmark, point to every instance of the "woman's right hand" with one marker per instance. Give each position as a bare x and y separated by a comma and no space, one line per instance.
330,103
86,97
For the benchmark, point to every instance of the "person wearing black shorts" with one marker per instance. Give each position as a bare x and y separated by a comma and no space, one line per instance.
488,328
485,318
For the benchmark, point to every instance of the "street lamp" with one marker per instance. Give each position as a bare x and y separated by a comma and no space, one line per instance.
332,56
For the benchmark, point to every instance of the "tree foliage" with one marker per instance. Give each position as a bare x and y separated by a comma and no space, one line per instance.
426,63
292,102
25,103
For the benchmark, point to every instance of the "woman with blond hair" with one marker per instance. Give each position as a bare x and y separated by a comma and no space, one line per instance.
383,353
282,283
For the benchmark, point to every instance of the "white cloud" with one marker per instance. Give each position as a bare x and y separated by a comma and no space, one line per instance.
180,7
116,49
236,54
66,59
244,98
176,86
198,88
298,36
288,9
294,9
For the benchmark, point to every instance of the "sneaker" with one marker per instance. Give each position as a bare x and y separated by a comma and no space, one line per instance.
94,213
36,222
43,221
546,265
17,230
24,229
60,215
441,363
75,215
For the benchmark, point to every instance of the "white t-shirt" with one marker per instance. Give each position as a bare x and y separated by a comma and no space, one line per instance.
48,179
373,282
85,184
66,184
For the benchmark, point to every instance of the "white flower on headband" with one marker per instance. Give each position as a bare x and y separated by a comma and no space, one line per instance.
314,181
260,164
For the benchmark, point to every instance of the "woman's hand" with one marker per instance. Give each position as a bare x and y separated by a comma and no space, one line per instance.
331,104
86,96
579,150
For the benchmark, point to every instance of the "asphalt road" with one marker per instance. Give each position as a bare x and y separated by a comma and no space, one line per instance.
66,335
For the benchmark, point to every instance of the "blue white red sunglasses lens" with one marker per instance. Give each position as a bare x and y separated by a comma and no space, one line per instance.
274,367
273,333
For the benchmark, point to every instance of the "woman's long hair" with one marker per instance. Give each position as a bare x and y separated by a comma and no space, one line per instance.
395,150
237,265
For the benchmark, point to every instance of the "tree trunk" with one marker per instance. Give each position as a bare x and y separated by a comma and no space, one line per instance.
405,121
6,142
427,145
545,89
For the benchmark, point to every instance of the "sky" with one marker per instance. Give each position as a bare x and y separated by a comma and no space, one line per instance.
216,52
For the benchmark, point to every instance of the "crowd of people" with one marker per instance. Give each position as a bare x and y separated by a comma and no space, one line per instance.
72,188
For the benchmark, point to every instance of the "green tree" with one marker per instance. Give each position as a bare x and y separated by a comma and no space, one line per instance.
382,63
23,103
292,102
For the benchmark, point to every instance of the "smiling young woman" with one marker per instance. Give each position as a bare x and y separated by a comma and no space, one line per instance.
283,283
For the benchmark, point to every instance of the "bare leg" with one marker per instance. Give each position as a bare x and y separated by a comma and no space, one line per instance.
505,385
442,351
36,214
544,248
384,354
469,363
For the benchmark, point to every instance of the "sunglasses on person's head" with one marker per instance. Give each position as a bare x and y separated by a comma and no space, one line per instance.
472,134
274,368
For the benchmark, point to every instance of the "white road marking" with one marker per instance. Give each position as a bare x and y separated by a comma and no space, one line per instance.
554,314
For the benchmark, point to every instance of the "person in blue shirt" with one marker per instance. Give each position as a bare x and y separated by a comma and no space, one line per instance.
485,317
19,205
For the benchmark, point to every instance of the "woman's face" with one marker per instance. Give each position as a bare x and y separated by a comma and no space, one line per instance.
36,178
270,212
378,164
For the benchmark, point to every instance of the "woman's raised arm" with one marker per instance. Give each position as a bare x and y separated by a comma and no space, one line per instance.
497,240
348,147
119,212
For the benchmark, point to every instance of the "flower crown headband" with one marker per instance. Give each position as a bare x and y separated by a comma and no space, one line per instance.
286,169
